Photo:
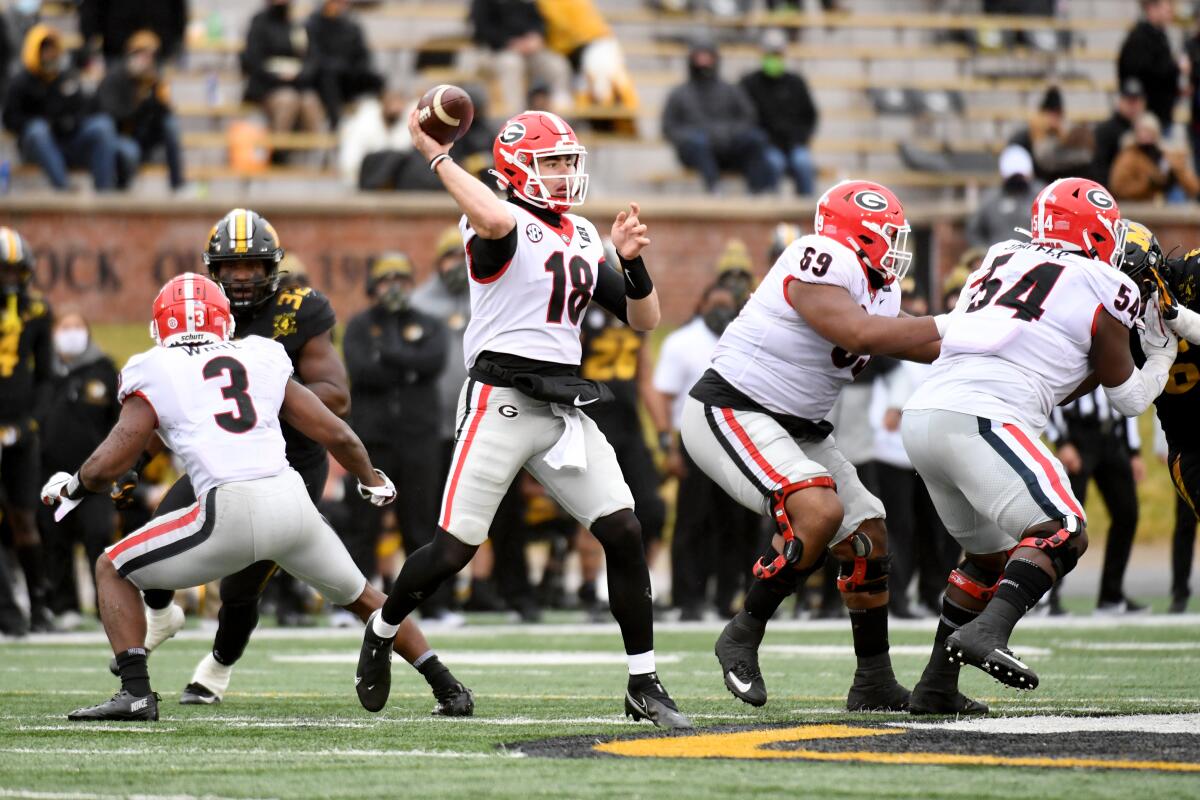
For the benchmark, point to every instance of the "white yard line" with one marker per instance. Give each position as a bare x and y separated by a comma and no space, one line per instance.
1135,647
1130,723
533,658
815,650
287,754
34,794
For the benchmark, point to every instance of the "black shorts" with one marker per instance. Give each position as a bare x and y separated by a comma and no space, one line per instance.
1185,474
21,470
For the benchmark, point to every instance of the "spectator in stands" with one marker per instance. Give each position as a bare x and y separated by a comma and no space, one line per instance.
343,62
1146,55
47,110
735,271
280,71
713,126
1192,56
513,34
1131,104
374,145
576,30
108,25
136,97
1006,206
1058,150
1146,169
786,111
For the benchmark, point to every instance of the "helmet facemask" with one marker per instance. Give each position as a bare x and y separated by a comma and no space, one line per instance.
535,190
245,295
896,260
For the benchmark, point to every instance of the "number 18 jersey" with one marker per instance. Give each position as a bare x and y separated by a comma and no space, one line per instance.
217,406
1019,338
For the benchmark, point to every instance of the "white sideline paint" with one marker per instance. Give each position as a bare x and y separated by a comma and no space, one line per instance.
142,752
1132,723
537,658
1111,647
848,650
33,794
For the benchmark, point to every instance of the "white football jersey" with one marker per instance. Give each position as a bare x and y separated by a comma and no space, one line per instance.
534,306
217,406
770,354
1019,337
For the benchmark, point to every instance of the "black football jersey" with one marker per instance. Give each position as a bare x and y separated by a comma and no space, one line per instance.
25,354
611,351
292,317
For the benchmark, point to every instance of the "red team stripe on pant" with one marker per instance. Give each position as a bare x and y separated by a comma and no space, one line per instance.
477,415
1047,468
157,530
747,443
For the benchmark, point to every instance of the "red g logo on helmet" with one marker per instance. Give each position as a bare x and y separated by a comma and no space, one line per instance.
1077,214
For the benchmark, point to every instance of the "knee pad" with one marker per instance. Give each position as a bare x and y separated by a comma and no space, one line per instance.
1064,544
976,581
793,548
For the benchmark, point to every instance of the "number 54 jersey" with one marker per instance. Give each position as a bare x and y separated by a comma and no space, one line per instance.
1020,335
217,406
770,354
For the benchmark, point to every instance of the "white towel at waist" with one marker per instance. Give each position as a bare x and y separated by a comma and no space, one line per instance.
571,449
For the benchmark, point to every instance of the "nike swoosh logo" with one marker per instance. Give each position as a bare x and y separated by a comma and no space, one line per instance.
741,687
639,706
1013,659
369,688
581,403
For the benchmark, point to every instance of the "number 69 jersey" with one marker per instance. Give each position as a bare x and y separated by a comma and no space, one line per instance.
770,354
217,406
1019,337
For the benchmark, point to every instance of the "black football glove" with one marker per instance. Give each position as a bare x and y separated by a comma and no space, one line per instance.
1168,306
123,488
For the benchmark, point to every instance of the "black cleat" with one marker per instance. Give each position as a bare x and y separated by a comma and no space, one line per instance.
737,651
197,694
455,700
928,701
975,647
373,678
647,699
876,690
121,707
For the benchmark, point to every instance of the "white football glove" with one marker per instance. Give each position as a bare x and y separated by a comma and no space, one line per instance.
378,495
1157,336
52,492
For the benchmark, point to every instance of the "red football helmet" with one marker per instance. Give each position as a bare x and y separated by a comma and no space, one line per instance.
1077,214
527,138
191,309
868,218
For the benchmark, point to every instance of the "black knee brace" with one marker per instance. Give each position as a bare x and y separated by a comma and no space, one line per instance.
1066,542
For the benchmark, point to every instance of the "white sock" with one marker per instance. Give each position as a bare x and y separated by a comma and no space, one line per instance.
382,629
641,663
213,674
160,613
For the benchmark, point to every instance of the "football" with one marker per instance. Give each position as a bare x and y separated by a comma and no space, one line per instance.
445,113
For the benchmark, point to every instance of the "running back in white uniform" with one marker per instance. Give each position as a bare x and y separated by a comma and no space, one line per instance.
217,406
534,306
770,353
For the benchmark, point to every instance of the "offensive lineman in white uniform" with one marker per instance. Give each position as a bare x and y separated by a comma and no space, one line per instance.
217,404
1033,322
533,270
755,423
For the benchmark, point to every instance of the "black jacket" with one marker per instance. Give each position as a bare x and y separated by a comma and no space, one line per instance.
497,22
272,35
338,44
1146,55
1192,48
115,21
394,360
139,111
720,109
60,100
785,108
1107,143
25,371
80,409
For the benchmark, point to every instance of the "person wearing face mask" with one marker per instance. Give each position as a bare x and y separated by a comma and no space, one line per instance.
735,272
786,111
48,111
714,536
80,409
395,355
344,72
1006,206
134,94
713,125
280,70
1149,169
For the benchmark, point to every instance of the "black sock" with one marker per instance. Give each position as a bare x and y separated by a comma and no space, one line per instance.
940,669
870,629
235,623
158,599
1023,585
135,677
436,674
629,596
766,595
423,572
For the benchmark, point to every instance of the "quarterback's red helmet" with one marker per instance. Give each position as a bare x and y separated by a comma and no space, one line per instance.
524,140
191,309
1077,214
867,217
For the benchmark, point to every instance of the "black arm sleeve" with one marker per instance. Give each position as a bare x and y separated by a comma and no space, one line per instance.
610,292
487,258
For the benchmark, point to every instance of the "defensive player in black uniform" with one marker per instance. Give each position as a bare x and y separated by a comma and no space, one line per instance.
25,368
243,255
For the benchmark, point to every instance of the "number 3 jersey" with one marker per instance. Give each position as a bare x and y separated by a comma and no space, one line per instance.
1018,340
771,355
217,406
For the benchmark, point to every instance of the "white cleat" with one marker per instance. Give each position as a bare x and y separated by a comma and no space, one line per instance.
162,625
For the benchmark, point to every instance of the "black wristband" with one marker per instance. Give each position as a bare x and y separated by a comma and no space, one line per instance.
75,488
438,159
637,279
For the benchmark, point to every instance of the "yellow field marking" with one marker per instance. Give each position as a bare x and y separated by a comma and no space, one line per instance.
753,745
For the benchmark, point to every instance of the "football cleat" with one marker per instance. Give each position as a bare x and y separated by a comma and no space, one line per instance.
121,707
455,700
928,701
647,699
209,683
373,678
159,628
737,651
969,645
876,689
197,694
